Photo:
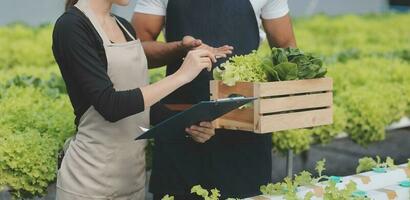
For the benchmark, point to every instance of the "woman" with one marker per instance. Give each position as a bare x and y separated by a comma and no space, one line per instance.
105,71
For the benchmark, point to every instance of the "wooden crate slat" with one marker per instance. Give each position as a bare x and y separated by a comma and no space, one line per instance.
214,89
295,87
220,90
234,125
295,120
295,102
243,115
237,119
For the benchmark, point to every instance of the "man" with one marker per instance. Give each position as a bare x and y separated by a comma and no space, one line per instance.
235,162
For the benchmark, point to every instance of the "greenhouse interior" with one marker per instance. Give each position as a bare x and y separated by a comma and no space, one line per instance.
210,99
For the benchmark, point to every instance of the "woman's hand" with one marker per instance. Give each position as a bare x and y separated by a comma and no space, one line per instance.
201,133
194,63
190,43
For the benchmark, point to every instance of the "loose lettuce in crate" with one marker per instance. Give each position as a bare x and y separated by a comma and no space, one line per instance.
293,64
281,64
287,71
247,68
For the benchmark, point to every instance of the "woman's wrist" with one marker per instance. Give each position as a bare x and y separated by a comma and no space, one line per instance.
178,78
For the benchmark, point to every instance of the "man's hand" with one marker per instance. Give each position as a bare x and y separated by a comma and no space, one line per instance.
201,133
190,43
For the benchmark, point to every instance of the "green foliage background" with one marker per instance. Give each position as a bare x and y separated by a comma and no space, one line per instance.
367,56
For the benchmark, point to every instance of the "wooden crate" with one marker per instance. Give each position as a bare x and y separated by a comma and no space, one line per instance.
280,106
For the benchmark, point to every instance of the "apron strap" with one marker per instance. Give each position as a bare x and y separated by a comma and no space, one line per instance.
83,5
123,27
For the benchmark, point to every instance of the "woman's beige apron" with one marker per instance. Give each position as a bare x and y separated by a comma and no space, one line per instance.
104,161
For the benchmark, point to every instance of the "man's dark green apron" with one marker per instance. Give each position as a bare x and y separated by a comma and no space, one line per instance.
235,162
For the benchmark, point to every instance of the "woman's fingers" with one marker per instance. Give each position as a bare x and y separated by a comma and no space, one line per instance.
206,124
206,53
198,136
224,49
207,63
223,53
201,133
203,130
214,53
205,60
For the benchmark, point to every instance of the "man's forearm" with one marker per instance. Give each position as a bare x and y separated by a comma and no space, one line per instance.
286,39
161,53
284,44
280,32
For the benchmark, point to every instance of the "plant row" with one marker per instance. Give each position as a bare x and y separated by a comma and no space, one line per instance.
288,189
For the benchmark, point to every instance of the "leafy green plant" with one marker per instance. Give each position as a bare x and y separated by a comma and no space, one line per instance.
248,68
156,74
32,108
212,195
25,46
292,64
328,36
298,140
320,168
43,73
346,55
389,163
167,197
334,193
288,188
32,133
53,86
368,163
27,162
360,96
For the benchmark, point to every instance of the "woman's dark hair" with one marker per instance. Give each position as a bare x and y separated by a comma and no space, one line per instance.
70,3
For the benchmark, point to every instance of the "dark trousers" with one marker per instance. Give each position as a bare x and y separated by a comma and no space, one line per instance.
236,166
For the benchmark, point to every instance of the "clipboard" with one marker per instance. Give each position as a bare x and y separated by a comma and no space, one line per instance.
174,127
